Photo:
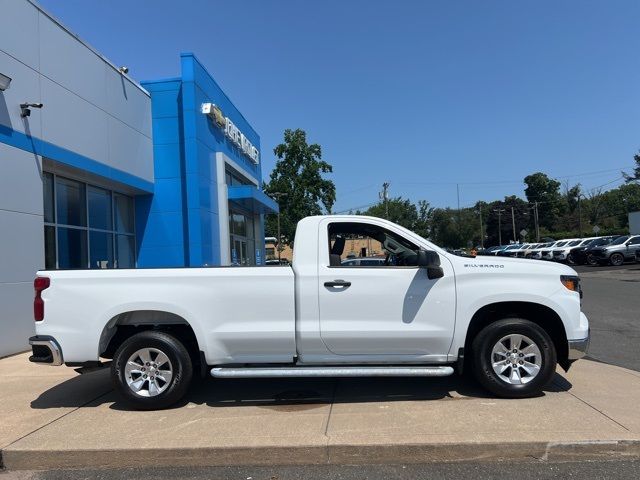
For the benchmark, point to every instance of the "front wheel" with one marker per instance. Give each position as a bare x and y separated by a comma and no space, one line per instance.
592,260
514,358
571,260
151,370
616,259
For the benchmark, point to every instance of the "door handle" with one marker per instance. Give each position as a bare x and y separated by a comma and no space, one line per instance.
337,283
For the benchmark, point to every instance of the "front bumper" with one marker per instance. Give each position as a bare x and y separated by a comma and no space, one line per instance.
578,348
46,350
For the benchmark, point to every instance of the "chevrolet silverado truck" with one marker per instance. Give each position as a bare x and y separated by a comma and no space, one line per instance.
422,312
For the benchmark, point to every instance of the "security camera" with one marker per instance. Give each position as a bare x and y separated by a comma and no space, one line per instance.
5,81
26,108
124,70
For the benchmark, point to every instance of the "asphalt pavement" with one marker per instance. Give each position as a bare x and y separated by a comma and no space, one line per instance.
612,303
593,470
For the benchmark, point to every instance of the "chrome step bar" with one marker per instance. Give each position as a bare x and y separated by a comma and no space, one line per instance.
261,372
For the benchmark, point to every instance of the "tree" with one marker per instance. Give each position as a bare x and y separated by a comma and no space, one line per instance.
401,211
297,184
546,191
635,176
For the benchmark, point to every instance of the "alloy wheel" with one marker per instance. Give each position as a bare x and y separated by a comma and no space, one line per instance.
148,372
516,359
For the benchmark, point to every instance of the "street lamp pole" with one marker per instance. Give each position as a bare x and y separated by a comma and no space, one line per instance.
277,196
499,212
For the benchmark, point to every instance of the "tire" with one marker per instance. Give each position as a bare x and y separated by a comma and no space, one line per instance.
571,260
592,260
616,259
529,377
133,381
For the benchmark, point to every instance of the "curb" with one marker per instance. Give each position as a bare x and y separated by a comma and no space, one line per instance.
320,454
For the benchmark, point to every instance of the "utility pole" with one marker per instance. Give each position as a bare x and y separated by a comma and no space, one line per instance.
513,223
459,212
277,196
384,196
499,212
481,232
579,215
535,220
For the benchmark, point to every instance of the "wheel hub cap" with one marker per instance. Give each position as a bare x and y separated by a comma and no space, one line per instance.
148,372
516,359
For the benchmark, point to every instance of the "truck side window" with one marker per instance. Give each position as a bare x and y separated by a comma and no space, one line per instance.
353,244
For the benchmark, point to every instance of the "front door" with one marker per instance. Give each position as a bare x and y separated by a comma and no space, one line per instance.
384,307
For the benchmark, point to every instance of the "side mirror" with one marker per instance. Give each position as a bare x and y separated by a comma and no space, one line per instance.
431,261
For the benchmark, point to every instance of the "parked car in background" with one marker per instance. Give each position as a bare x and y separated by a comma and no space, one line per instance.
510,250
526,249
547,252
622,249
561,254
364,262
580,255
488,250
536,253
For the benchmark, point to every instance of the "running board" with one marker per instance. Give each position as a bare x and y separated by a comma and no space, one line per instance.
258,372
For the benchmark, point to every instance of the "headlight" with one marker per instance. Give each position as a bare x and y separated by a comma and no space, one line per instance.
571,282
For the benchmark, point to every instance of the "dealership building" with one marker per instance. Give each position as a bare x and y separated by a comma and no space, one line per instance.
98,171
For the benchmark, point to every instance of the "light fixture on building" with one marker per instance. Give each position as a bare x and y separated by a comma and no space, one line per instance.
124,70
26,108
5,81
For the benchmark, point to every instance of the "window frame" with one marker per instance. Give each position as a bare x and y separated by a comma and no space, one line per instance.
87,228
395,234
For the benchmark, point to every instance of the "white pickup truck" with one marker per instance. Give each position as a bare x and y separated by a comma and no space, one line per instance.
421,312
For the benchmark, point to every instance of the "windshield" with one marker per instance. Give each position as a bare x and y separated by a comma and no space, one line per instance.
587,242
560,244
620,240
574,243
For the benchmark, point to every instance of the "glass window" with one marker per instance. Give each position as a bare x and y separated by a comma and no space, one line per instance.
49,247
124,213
99,208
346,239
71,202
634,241
238,224
106,240
125,251
49,207
72,248
101,250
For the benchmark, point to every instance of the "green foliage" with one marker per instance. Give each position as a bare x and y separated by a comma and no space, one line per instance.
635,176
297,184
542,189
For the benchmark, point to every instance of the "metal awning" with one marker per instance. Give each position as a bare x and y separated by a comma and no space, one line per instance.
249,197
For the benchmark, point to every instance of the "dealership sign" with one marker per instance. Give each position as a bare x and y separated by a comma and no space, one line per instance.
231,131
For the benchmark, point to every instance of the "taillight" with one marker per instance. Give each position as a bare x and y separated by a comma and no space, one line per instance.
39,284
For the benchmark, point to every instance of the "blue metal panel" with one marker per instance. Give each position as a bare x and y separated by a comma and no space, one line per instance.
67,157
253,199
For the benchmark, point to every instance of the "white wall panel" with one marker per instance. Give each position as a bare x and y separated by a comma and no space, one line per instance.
25,87
22,252
128,103
19,31
16,317
20,182
72,123
129,151
68,62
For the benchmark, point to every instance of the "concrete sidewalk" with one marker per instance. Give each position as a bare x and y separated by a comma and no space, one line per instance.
53,418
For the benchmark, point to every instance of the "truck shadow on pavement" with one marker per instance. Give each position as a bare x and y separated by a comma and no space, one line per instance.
94,389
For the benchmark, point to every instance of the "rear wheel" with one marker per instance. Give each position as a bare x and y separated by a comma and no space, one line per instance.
514,358
616,259
151,370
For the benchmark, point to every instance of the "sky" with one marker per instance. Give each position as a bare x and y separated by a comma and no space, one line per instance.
424,95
